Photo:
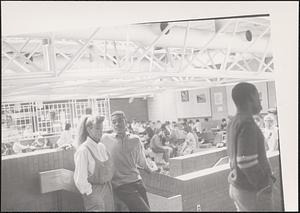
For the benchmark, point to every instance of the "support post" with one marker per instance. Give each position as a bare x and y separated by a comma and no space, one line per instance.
184,44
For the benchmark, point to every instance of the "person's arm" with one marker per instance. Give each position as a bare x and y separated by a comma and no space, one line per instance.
156,141
81,172
141,158
247,156
62,140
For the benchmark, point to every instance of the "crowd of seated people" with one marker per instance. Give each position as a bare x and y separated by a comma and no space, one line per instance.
165,140
36,141
7,149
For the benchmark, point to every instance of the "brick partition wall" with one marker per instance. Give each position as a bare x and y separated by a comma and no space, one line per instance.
195,162
20,190
210,189
207,187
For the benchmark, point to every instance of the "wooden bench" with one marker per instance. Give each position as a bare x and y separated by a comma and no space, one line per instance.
57,179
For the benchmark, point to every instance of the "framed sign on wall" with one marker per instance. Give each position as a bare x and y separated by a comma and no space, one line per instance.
218,96
184,96
201,98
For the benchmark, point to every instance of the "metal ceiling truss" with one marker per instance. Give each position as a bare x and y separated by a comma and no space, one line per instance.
47,65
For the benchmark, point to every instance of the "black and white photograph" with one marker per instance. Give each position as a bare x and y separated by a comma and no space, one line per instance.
201,98
149,106
185,96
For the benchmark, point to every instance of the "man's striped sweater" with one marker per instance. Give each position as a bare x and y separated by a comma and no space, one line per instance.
251,170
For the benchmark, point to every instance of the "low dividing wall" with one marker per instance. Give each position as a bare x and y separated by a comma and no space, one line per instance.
20,190
207,188
195,162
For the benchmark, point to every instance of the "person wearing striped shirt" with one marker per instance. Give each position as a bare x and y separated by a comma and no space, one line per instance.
250,178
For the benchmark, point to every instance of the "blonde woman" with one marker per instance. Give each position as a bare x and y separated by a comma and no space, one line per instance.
93,166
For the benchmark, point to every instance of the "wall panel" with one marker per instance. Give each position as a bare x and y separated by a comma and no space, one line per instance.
137,109
192,108
218,103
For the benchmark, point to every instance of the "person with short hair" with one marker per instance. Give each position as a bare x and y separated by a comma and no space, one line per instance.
127,153
250,178
157,126
158,141
93,166
189,145
197,126
149,131
205,125
65,140
223,124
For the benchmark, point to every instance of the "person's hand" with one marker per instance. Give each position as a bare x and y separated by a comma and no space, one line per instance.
68,146
267,189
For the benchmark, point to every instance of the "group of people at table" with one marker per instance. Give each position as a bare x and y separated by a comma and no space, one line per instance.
35,141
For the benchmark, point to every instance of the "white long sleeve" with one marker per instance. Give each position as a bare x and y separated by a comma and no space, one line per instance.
85,164
81,172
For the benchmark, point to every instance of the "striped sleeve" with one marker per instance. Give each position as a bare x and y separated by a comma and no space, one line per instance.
247,156
247,161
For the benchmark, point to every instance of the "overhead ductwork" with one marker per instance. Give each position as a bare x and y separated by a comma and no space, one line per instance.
173,38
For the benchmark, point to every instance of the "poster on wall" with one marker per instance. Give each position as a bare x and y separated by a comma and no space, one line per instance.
201,98
260,95
219,109
184,96
218,96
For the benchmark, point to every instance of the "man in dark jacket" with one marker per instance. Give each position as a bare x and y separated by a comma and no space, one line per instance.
250,178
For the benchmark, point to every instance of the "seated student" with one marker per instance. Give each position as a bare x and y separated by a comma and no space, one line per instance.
39,142
152,163
157,143
205,125
223,124
197,127
149,131
19,148
66,139
189,145
157,126
8,148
